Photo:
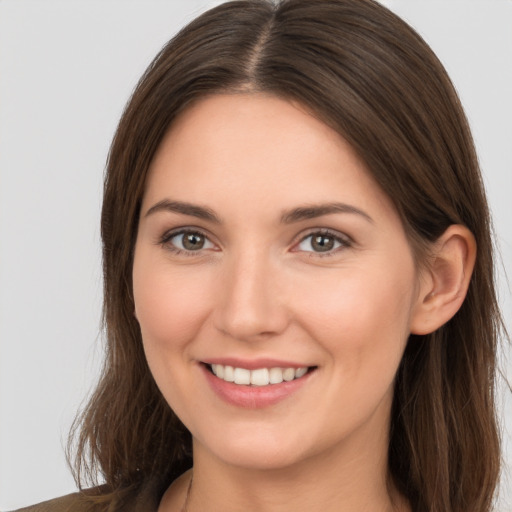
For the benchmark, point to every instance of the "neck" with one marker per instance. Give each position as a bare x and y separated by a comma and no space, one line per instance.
357,483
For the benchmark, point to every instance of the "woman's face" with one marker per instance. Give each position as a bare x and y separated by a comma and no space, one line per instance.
266,252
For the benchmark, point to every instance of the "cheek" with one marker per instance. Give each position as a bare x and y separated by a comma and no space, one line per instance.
170,305
361,314
171,309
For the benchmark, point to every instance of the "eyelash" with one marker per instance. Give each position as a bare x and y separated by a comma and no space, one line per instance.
344,241
167,237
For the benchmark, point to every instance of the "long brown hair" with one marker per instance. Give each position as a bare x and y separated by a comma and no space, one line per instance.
368,75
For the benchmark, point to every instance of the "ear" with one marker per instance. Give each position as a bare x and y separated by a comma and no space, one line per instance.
445,282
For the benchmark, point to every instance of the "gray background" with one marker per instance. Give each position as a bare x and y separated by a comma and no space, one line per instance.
66,71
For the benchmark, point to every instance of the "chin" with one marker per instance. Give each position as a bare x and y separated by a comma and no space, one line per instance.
254,452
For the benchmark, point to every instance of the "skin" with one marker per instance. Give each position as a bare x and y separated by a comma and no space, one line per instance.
259,289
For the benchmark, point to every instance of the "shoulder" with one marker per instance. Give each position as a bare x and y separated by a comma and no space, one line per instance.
144,498
76,502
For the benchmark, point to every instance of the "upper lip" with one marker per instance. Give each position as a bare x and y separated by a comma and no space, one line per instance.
254,364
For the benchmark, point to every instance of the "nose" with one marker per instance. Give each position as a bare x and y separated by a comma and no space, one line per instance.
251,305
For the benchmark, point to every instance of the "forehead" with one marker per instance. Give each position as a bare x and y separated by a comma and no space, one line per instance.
266,150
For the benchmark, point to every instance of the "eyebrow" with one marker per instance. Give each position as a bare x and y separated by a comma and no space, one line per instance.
288,217
313,211
201,212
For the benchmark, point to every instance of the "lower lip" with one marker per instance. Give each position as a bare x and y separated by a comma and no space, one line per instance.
253,397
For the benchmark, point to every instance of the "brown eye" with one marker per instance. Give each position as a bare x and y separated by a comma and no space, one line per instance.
322,243
191,241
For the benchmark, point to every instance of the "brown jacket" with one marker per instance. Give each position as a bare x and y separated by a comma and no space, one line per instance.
146,499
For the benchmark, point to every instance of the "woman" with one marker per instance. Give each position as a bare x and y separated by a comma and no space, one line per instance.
299,297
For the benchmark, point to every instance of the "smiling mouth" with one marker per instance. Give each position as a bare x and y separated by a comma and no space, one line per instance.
259,376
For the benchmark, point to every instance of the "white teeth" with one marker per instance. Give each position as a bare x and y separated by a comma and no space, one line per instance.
288,374
220,371
229,373
258,377
242,376
300,372
275,375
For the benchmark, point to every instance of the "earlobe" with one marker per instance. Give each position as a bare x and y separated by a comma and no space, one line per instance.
444,287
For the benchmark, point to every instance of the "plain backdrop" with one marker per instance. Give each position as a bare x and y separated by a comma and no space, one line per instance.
67,68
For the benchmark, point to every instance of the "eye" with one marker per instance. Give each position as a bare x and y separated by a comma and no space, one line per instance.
187,241
322,242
